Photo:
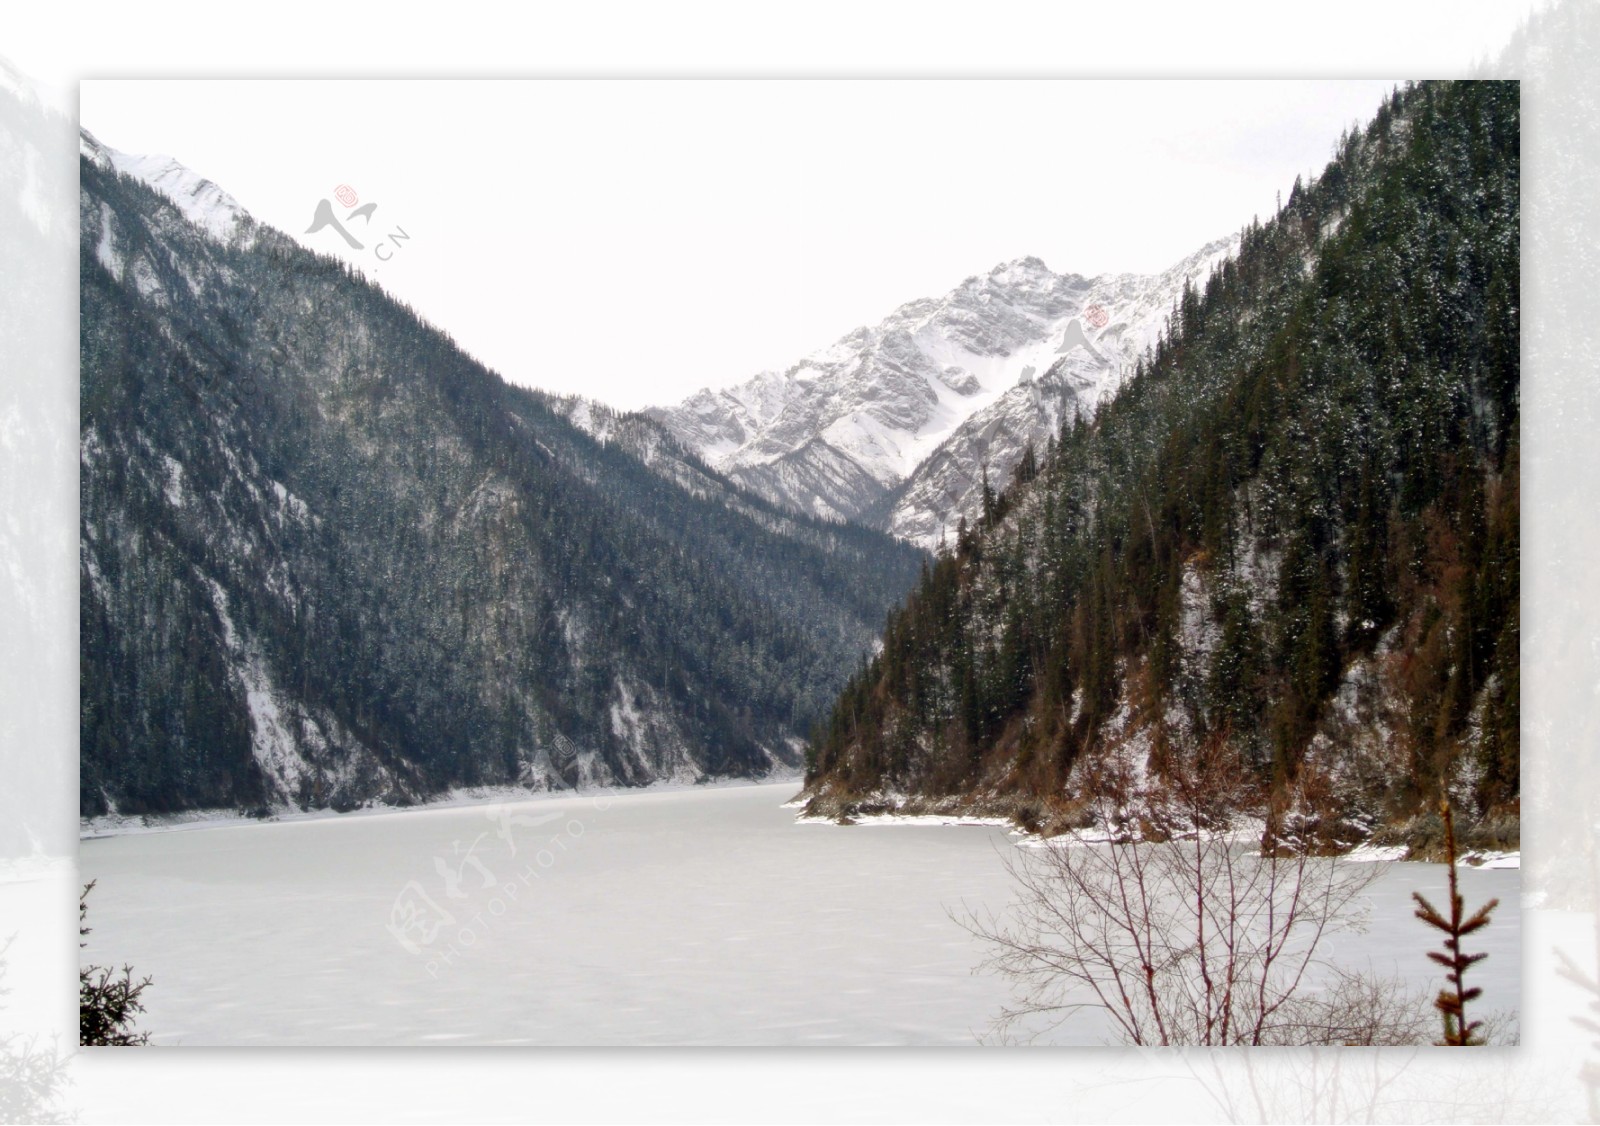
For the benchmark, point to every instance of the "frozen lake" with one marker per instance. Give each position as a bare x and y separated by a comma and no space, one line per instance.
700,916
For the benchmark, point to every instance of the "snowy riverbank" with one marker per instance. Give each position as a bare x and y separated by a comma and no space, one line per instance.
1250,829
118,825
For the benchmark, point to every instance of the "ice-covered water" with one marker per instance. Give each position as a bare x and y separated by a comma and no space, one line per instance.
689,917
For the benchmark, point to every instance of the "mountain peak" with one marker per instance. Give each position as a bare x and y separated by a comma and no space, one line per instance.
1028,263
863,418
1025,271
201,202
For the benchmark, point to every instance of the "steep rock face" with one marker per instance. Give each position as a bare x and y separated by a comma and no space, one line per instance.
895,424
328,559
838,430
1125,314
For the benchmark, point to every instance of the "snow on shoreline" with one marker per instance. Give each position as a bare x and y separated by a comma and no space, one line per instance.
1388,854
121,825
907,819
1250,829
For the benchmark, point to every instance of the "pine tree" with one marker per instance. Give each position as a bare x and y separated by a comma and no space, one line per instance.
108,1001
1452,1000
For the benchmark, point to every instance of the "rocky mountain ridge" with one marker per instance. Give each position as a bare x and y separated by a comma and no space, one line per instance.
895,424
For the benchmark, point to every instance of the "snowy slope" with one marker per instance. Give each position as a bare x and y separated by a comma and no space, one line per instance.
204,204
1089,363
892,424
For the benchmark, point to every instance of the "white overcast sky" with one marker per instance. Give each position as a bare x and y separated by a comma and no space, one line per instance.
634,241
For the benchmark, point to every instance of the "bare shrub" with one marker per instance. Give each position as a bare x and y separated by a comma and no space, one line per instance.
1197,940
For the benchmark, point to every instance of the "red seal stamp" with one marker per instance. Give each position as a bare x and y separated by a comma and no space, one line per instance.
346,195
1096,316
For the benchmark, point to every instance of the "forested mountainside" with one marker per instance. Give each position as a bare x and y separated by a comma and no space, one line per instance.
1292,535
329,559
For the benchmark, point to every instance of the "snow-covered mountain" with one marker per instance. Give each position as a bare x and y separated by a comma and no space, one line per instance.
893,425
200,201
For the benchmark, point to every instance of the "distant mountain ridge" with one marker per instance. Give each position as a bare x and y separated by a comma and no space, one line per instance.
895,424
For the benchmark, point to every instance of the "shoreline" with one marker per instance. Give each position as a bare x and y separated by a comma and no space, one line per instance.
108,825
904,810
